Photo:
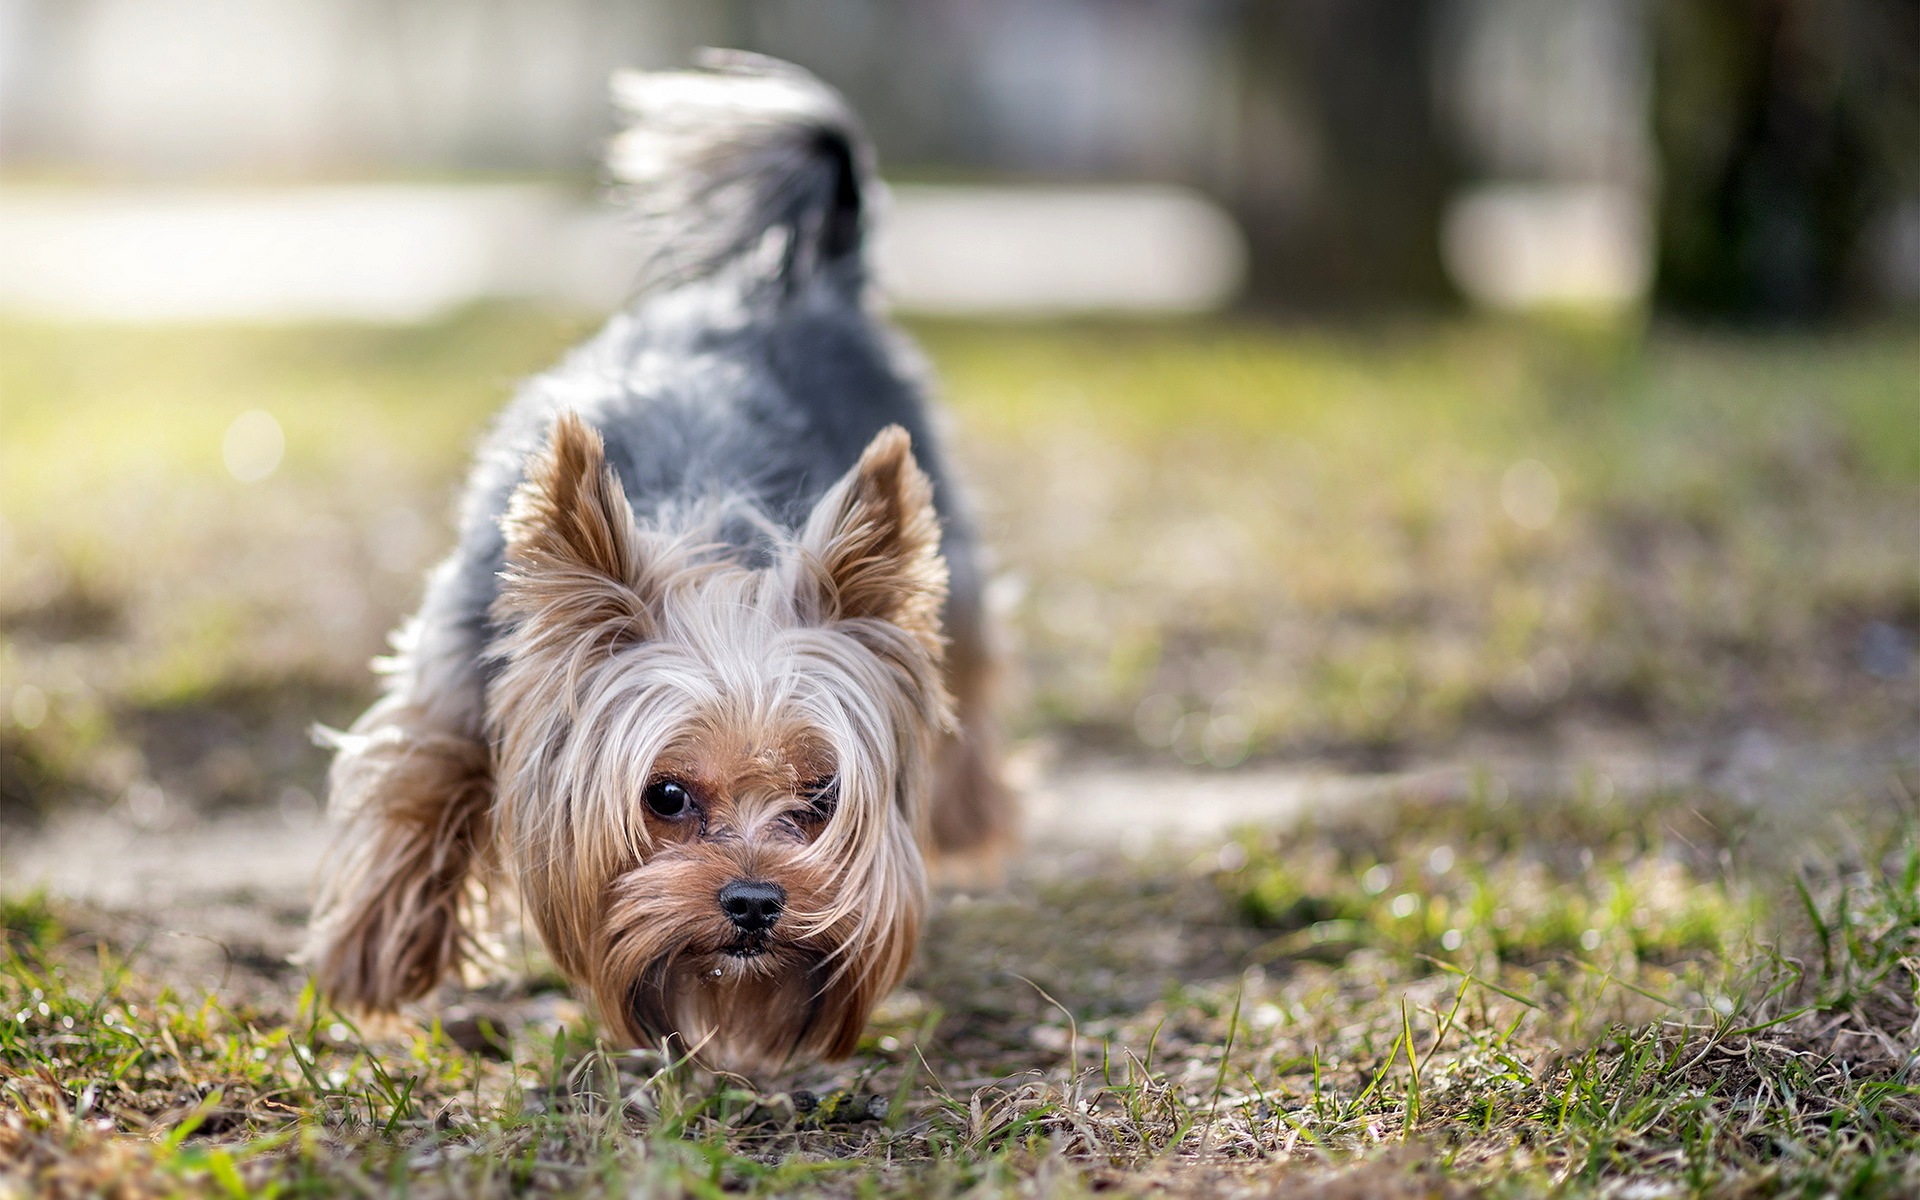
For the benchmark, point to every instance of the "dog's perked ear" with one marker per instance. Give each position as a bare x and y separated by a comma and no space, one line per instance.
575,565
871,548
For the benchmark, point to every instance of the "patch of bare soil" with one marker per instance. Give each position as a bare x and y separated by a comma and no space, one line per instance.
218,897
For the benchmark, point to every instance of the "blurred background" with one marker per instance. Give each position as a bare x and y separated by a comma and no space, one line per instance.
1743,158
1358,383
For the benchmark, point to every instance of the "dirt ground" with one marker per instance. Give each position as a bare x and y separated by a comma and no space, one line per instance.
212,892
1467,754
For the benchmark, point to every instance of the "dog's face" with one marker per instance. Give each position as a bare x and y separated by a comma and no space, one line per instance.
713,778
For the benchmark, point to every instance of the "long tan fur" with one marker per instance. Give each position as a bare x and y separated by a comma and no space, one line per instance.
635,655
403,899
632,655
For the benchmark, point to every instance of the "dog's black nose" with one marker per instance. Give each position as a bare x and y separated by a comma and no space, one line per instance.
753,905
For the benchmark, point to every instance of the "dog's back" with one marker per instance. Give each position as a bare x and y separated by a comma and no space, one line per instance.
750,370
745,377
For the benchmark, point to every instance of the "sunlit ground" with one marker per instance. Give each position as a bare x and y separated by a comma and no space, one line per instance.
1221,547
1214,543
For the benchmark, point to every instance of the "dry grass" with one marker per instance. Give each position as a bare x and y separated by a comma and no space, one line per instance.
1411,1012
1220,543
1217,542
1232,543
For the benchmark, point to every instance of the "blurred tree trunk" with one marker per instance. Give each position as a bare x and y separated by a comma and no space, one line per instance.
1339,168
1783,128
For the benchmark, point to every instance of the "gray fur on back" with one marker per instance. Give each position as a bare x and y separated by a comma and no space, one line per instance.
747,388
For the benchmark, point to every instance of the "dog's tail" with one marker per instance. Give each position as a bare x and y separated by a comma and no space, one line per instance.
749,160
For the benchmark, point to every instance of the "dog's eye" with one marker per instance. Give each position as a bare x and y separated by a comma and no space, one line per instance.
667,797
821,796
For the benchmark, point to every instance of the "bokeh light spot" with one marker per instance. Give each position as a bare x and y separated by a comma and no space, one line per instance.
29,706
1225,741
1530,494
253,446
1157,719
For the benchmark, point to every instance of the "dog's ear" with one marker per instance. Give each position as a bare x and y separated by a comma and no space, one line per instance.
574,558
871,548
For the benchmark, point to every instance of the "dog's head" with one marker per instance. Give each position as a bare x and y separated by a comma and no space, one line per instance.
713,777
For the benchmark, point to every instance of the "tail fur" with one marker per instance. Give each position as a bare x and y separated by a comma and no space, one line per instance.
748,159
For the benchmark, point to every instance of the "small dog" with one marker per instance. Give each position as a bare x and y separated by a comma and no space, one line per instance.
705,682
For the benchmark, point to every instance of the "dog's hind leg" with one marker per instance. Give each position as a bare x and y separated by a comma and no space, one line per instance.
973,819
402,889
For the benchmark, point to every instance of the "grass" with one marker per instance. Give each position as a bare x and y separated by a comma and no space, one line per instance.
1217,544
165,612
1675,1018
1240,544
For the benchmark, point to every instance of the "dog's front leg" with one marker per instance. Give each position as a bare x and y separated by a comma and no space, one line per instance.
402,889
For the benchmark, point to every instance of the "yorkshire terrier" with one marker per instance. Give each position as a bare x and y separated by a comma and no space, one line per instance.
704,685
